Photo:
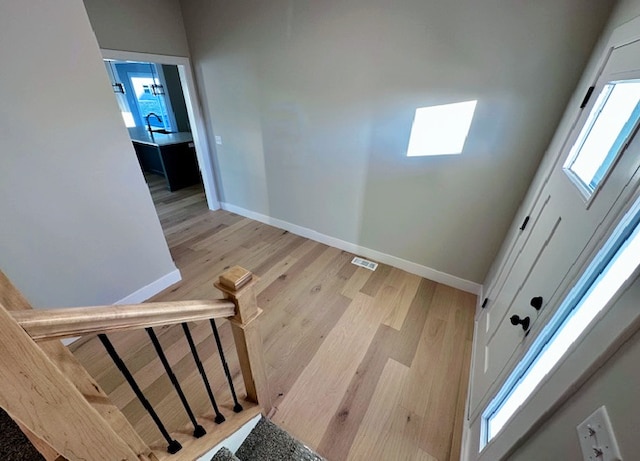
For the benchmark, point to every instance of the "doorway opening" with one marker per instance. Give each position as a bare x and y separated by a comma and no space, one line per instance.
154,111
157,99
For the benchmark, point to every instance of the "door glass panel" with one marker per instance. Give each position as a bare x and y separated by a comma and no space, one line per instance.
608,271
610,125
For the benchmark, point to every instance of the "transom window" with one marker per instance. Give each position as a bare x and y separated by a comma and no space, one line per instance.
607,131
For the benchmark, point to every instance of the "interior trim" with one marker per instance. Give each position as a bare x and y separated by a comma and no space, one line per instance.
409,266
151,289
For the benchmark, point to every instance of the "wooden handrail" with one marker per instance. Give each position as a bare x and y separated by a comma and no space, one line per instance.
36,392
57,401
71,368
45,324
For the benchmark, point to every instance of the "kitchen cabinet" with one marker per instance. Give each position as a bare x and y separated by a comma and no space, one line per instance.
171,155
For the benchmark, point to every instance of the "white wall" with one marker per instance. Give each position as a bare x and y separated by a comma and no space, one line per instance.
143,26
77,224
314,103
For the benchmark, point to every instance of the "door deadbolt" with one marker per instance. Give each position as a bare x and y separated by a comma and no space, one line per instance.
536,302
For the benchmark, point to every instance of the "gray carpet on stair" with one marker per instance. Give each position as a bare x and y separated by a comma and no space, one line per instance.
224,455
14,445
267,442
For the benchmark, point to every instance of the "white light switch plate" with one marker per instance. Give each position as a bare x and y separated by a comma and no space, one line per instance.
219,140
600,438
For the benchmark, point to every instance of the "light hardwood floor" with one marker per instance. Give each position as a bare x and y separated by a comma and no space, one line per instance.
362,365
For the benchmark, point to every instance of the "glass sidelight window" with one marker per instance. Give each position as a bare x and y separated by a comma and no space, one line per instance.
613,265
610,126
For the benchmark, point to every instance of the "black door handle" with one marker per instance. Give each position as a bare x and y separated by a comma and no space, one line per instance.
516,320
536,302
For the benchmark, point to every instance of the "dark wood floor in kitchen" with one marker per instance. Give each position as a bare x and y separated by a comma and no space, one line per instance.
362,365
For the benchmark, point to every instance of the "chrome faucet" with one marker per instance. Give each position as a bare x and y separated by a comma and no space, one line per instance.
148,123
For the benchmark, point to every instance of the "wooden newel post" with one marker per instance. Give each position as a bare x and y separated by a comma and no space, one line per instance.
238,285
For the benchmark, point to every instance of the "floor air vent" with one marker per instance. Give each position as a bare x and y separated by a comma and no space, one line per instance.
364,263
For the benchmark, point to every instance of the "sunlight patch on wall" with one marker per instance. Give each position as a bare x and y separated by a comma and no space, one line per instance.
440,130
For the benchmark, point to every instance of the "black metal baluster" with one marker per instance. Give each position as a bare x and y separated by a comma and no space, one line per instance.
219,416
174,445
198,430
237,407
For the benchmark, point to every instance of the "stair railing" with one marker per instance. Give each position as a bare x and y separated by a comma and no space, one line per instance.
64,410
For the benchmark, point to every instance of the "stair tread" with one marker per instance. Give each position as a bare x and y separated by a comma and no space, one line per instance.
268,442
224,454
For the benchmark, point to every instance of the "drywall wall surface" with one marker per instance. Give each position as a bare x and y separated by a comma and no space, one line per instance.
616,385
314,103
78,225
143,26
625,11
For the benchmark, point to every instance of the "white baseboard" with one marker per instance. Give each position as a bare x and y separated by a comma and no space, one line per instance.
67,341
409,266
153,288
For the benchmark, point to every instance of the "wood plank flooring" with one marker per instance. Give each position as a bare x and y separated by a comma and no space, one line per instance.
361,365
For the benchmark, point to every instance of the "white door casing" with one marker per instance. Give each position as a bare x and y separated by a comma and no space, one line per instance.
194,111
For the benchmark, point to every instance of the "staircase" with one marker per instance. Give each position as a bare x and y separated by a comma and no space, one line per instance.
265,442
67,414
14,445
268,442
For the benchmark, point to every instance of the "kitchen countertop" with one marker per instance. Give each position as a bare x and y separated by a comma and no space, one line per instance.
141,135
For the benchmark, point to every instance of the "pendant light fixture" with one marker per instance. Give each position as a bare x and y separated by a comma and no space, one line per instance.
117,86
156,89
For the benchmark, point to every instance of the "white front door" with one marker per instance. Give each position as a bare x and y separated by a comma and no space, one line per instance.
569,213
